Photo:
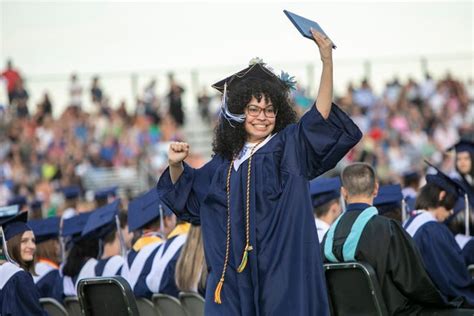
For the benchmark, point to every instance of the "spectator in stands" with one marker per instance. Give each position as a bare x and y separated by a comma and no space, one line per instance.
175,102
382,243
12,76
75,91
96,91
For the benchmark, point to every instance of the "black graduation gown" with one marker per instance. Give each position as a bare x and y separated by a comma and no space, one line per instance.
384,244
284,273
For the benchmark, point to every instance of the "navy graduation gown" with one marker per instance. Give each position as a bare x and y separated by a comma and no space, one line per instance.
468,252
18,293
138,267
161,278
108,267
49,281
442,258
284,274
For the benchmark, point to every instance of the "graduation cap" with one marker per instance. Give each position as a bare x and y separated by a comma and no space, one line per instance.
441,180
36,204
8,211
256,69
105,193
389,195
15,225
72,227
102,221
45,229
463,146
145,209
19,200
71,192
323,190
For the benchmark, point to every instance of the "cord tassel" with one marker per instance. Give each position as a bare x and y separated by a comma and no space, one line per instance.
245,257
217,292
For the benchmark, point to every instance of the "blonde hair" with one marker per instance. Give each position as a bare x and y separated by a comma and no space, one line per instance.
191,268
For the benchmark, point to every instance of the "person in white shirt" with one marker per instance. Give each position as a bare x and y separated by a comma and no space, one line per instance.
325,195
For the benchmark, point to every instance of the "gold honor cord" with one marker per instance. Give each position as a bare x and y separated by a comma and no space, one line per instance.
248,247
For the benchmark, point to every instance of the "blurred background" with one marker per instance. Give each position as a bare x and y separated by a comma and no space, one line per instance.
91,93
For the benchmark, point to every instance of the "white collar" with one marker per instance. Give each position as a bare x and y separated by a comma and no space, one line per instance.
321,225
245,152
421,219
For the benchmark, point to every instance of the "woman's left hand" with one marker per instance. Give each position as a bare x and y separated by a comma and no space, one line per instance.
324,44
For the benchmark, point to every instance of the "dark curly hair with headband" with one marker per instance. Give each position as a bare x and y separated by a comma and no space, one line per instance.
228,139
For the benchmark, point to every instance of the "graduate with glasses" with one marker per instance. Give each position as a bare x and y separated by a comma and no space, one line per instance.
252,199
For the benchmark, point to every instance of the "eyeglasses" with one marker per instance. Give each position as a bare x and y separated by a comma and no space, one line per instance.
255,111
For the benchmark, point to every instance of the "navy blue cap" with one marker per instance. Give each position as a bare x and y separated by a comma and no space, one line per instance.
8,211
255,70
441,180
323,190
45,229
389,194
15,225
105,193
462,146
71,192
102,221
36,204
72,227
145,209
19,200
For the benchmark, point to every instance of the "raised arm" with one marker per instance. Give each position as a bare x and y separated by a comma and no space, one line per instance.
324,99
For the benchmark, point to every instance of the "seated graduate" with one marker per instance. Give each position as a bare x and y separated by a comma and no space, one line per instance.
81,253
191,268
457,224
162,275
325,195
154,221
441,254
360,234
48,278
18,293
107,224
389,201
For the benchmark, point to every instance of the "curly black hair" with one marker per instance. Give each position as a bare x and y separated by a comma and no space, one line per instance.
228,140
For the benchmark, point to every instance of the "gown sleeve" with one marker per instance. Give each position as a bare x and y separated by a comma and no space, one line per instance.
468,252
405,265
444,262
22,296
185,196
315,145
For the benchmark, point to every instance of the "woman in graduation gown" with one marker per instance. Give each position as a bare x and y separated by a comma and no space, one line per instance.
18,293
441,254
252,199
48,279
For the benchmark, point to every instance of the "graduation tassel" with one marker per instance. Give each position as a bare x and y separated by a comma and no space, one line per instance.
245,257
217,292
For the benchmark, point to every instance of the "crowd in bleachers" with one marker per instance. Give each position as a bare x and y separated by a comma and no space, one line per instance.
43,161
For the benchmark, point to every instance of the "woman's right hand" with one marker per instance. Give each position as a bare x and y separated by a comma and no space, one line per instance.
177,153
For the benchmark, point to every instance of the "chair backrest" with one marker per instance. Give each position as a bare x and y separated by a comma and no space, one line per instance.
168,305
193,303
471,269
354,290
146,307
52,307
106,296
73,306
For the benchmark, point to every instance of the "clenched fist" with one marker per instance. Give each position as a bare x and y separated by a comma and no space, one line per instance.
177,153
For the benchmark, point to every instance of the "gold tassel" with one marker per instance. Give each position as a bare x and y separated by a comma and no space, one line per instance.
245,256
217,292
